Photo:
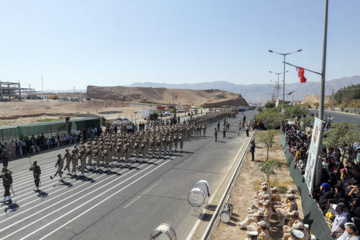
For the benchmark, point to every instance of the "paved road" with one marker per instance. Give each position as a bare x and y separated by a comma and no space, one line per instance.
126,204
341,117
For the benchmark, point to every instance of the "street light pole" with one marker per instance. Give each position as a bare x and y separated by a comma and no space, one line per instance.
278,82
284,54
322,86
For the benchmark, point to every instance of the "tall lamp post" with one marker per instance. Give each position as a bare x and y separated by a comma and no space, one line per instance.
278,83
284,54
273,91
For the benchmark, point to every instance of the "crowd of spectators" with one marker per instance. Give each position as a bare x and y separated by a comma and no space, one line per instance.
32,145
339,193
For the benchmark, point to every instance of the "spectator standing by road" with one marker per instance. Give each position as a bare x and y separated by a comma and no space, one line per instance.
339,219
247,130
252,149
357,156
215,135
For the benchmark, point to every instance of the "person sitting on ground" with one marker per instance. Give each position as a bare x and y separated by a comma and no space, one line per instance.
263,231
292,224
286,208
252,218
275,196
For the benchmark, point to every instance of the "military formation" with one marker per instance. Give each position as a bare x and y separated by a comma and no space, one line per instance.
120,150
266,203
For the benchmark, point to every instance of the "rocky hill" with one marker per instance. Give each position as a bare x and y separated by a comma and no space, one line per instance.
255,93
208,97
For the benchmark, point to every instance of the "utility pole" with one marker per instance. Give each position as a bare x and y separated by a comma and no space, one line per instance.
74,89
42,84
332,99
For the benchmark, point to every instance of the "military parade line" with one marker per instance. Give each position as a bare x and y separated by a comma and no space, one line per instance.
116,151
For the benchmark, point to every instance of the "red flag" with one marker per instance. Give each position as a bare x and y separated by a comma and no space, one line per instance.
301,75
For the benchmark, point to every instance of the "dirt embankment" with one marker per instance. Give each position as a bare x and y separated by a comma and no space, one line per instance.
248,182
166,96
32,111
315,99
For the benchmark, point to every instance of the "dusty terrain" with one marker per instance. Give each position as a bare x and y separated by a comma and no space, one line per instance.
32,111
247,183
311,100
166,96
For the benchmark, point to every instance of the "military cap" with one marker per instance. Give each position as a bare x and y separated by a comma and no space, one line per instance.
262,224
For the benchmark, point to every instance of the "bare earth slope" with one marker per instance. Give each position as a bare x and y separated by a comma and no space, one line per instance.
210,97
312,99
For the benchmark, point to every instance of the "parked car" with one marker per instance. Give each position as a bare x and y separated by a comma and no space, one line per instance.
165,114
121,120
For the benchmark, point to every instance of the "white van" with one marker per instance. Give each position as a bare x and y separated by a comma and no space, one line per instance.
121,120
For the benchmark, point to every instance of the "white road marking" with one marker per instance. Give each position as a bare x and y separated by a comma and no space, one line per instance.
148,190
89,208
66,192
138,197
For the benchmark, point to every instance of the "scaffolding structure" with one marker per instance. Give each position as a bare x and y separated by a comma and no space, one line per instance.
13,90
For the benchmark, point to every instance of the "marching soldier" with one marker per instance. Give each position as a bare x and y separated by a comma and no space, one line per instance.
67,156
37,173
181,139
74,161
204,129
98,156
90,153
176,141
59,164
7,183
82,158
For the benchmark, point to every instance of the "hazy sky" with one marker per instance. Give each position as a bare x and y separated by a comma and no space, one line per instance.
107,43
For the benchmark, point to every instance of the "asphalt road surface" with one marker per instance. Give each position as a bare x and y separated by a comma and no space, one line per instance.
341,117
126,204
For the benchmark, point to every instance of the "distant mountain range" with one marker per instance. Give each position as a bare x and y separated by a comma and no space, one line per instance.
257,93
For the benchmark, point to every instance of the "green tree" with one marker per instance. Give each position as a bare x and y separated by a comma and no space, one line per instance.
340,133
270,104
267,137
272,118
268,168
